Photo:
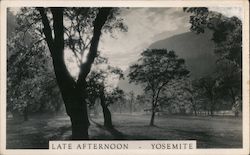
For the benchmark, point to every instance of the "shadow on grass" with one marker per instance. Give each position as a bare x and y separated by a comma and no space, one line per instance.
205,139
32,134
59,133
117,134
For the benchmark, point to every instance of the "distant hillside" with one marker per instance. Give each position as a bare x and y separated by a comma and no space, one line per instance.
197,50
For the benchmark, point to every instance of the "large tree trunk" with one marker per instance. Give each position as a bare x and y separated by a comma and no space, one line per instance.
73,93
78,113
79,121
106,113
85,68
75,105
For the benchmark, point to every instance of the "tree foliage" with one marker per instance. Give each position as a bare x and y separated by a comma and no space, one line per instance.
209,90
115,95
97,83
227,32
30,81
154,70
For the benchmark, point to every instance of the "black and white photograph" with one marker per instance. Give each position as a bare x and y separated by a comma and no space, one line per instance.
125,74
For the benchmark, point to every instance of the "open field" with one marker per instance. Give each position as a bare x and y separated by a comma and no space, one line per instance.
210,132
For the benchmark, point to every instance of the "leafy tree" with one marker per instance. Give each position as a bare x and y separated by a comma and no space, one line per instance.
176,96
209,87
113,97
27,90
108,98
97,88
49,23
227,32
142,98
180,96
229,81
193,95
140,102
155,69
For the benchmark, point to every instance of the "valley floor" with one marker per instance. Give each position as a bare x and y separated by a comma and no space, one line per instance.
210,132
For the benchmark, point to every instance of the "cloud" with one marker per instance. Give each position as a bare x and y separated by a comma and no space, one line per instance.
145,26
229,11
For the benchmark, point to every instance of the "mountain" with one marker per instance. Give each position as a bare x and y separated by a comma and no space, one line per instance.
196,49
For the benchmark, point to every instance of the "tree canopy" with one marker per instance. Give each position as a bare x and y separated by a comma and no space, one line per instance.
30,82
227,32
154,70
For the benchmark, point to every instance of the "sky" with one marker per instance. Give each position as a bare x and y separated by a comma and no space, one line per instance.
145,26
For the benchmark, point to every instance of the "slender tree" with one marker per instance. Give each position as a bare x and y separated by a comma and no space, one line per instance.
97,88
192,94
131,101
155,69
209,87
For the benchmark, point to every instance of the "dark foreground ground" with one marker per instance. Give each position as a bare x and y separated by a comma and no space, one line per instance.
210,132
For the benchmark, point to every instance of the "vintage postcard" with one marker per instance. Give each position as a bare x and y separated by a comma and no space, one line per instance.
122,77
